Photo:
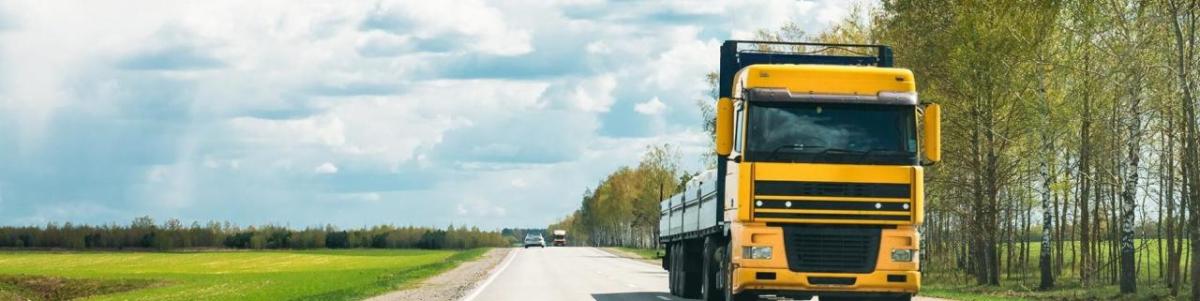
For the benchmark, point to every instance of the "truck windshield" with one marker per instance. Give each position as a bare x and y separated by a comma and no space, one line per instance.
831,133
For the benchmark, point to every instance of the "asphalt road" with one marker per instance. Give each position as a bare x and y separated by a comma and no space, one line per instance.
576,273
573,274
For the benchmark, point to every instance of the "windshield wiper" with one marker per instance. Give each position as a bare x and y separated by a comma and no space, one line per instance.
839,150
883,151
790,146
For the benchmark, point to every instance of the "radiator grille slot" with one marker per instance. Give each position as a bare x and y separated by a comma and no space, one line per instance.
866,190
832,280
831,249
829,202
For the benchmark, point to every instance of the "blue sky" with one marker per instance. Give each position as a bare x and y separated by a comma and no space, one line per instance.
488,113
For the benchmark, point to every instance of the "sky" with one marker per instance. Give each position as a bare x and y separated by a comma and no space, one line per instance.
351,113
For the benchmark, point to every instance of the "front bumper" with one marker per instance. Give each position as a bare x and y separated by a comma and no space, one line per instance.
774,274
751,279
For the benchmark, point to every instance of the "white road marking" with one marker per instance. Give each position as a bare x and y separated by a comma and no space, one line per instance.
479,289
664,298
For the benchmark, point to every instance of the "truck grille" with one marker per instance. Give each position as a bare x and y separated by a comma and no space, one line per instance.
866,190
826,202
831,249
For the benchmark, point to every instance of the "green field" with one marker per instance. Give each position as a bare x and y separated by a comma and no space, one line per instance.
252,275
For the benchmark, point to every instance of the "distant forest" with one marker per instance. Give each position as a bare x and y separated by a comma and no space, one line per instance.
144,233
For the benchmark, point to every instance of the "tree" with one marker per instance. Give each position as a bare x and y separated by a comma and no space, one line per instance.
1184,18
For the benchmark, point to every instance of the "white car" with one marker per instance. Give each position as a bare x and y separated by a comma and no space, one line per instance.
534,240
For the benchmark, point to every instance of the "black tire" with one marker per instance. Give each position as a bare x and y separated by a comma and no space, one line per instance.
673,271
692,269
726,261
666,258
711,288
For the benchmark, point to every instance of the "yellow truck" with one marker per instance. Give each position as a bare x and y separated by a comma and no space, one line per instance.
818,187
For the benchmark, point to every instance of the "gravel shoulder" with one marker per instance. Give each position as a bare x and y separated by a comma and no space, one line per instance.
451,285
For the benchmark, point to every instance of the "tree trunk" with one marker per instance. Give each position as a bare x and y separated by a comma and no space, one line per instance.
1085,266
1129,193
1044,260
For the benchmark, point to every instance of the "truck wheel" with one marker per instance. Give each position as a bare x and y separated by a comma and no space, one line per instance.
693,268
672,271
712,288
666,258
677,269
726,263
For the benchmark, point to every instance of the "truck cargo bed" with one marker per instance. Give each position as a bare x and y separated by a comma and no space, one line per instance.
693,212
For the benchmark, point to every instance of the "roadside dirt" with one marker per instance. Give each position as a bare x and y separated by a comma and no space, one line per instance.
451,285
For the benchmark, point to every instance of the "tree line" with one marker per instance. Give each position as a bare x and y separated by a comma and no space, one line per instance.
1070,147
144,233
622,210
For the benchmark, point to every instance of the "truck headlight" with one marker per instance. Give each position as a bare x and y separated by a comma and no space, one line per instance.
756,252
902,255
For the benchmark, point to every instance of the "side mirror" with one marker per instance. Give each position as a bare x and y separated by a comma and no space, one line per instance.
932,131
724,126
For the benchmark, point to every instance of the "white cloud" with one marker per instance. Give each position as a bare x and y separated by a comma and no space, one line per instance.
482,27
594,94
480,208
519,183
326,168
365,197
169,97
650,107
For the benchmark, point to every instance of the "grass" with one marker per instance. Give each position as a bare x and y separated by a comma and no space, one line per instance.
259,275
1071,292
941,279
644,253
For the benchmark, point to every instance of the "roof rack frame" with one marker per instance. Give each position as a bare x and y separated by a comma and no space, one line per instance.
733,60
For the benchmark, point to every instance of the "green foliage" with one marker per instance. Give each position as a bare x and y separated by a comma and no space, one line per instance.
143,233
1084,111
259,275
623,209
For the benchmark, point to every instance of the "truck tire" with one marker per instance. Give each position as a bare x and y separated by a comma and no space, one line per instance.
673,270
692,266
666,258
713,274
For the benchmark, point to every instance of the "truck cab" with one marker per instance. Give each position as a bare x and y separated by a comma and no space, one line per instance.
819,187
560,238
